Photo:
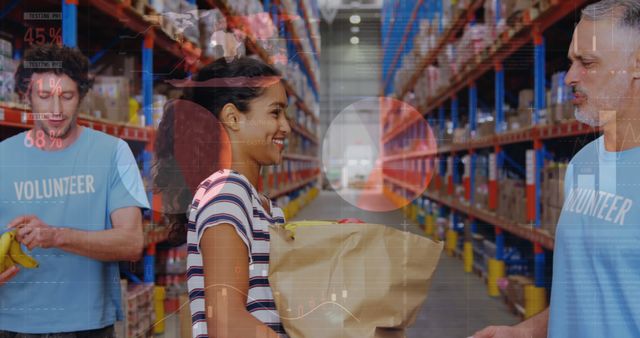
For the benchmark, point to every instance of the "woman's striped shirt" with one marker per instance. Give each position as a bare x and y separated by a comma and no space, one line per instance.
228,197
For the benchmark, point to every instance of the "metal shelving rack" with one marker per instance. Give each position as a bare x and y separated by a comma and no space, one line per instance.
535,21
153,37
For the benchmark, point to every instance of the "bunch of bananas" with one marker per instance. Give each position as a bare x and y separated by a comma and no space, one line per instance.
292,226
11,253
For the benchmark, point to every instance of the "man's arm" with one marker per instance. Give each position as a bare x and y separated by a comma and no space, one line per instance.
124,242
534,327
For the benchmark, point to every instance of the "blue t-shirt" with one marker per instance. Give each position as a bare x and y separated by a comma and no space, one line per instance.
77,187
596,261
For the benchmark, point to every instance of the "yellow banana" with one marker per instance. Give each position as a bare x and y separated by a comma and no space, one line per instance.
18,256
5,244
8,262
292,226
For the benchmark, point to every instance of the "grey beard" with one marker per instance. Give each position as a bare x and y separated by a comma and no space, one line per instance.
590,121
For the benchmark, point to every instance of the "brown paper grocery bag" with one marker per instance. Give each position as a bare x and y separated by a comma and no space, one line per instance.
350,280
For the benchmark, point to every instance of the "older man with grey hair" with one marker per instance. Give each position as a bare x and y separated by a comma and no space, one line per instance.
596,272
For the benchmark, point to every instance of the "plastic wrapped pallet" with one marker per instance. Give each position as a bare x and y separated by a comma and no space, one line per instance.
515,289
516,6
7,83
490,14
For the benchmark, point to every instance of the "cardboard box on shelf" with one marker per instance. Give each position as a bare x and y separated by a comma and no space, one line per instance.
481,196
514,8
525,98
511,203
563,111
486,128
514,122
550,216
491,12
114,91
515,289
525,116
92,105
6,48
461,135
559,92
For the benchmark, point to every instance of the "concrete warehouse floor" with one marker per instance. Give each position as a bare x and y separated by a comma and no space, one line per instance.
457,305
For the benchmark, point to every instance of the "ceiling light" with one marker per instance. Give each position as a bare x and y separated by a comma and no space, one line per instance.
355,40
355,19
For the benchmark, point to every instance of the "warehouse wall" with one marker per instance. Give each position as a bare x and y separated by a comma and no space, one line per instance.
350,73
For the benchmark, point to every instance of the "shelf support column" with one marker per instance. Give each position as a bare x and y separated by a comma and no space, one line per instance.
539,75
454,157
70,23
499,92
537,293
440,16
496,266
441,158
441,123
471,229
467,249
147,99
454,112
473,109
493,177
539,263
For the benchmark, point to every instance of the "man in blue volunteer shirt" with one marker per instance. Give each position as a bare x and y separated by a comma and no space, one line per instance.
74,195
596,261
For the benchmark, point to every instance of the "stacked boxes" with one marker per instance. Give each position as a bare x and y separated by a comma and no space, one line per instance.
552,195
481,193
477,242
525,108
210,22
515,289
490,13
473,41
486,129
140,311
109,99
523,117
461,135
426,38
511,200
191,31
428,85
8,67
121,326
560,105
446,63
513,9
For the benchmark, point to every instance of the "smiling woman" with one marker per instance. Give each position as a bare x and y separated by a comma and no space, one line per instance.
235,124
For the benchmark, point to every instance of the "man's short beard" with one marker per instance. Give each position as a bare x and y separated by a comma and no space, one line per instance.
60,135
593,120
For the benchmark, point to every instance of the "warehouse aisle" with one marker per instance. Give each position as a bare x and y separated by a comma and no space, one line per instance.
458,304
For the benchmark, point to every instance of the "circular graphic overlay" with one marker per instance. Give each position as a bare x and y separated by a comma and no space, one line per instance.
379,154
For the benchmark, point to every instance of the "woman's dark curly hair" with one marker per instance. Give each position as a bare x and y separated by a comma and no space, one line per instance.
190,142
53,58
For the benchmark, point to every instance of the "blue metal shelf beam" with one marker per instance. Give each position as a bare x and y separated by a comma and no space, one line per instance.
70,23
